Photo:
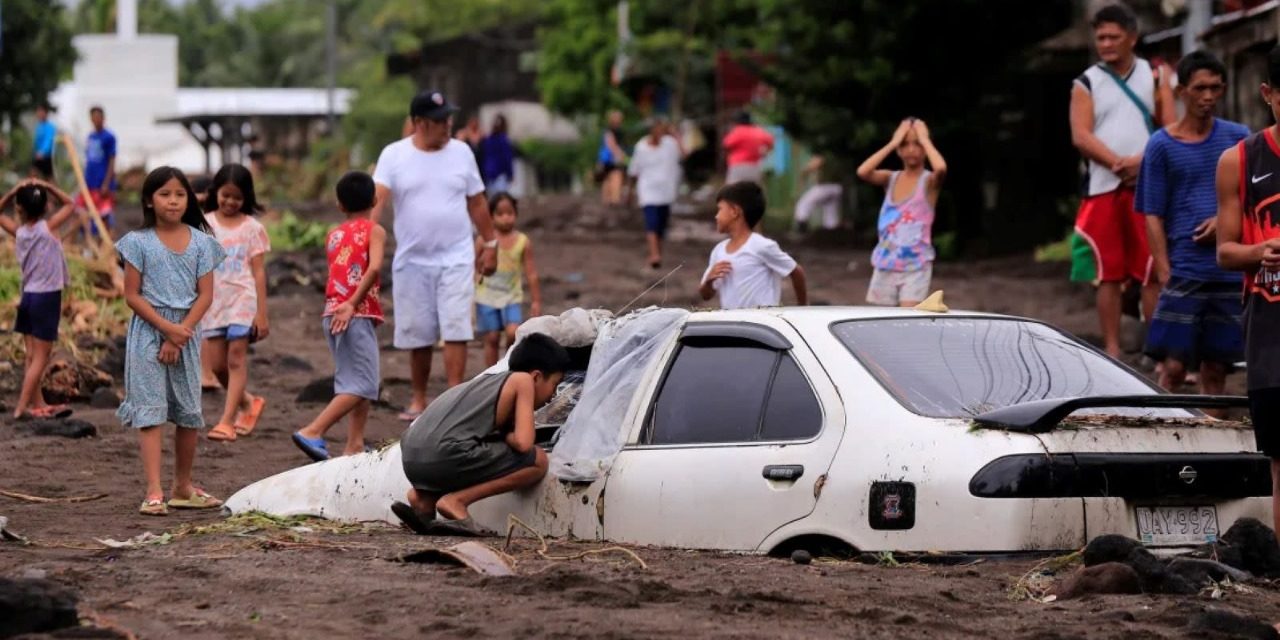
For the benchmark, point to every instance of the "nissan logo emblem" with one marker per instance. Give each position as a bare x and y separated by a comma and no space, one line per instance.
1188,474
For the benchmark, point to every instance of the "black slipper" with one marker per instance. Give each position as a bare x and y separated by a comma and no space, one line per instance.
464,528
412,518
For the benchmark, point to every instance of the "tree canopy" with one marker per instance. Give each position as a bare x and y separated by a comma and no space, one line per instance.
35,54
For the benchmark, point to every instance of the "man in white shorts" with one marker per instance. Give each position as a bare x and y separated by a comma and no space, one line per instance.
437,193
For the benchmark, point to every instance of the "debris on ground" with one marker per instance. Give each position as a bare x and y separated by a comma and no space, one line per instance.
30,605
7,535
43,500
144,539
544,549
473,555
105,398
1037,583
69,380
1246,550
1220,623
317,391
1108,577
1254,544
57,427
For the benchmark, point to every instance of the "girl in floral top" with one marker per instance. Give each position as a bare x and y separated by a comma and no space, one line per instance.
239,313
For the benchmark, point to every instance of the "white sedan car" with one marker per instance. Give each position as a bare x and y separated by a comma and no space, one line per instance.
867,429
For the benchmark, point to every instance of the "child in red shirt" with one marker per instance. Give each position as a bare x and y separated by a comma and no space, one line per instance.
351,314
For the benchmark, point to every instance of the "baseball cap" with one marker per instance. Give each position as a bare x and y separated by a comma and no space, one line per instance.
431,105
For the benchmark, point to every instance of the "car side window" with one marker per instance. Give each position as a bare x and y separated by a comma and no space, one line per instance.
712,394
722,394
793,412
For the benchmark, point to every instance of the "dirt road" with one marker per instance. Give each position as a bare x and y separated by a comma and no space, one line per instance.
326,581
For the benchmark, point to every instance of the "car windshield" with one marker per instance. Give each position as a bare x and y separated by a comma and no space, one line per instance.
958,367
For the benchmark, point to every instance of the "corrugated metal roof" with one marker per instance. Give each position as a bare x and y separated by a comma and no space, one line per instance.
258,102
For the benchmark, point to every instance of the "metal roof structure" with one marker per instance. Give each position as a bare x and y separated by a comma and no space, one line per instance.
252,102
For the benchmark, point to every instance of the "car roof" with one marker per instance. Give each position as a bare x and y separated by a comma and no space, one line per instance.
835,313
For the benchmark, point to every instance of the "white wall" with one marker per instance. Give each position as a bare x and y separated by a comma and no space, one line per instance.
134,81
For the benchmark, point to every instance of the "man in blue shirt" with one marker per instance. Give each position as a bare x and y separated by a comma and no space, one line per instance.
42,147
100,167
1197,320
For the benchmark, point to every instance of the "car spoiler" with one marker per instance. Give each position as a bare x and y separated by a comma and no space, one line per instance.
1041,416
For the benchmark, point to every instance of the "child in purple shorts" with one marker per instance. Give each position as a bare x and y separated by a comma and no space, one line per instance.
44,275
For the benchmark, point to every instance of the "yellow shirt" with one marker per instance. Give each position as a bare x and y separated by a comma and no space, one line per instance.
505,287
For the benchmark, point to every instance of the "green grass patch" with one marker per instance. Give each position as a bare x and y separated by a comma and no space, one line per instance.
291,233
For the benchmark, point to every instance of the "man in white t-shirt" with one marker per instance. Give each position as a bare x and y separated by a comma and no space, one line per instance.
748,268
437,193
655,166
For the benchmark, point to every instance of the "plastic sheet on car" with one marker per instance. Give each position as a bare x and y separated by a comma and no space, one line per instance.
625,351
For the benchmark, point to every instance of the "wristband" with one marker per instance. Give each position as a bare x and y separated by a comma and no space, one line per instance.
491,244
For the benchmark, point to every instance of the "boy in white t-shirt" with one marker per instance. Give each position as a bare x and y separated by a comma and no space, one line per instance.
748,268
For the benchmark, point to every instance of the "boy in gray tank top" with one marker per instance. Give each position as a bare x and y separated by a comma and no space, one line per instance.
477,439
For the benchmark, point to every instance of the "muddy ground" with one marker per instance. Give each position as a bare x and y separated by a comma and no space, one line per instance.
322,581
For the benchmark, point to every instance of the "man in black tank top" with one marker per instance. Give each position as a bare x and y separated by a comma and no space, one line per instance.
1249,241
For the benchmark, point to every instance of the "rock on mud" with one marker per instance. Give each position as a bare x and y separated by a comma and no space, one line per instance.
1108,577
64,428
1220,623
1256,542
35,606
319,390
105,398
1109,548
1201,572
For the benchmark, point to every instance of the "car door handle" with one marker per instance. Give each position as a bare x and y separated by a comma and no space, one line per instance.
783,472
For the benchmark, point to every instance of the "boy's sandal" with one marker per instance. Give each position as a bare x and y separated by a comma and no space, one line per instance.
199,500
408,416
315,448
247,422
416,522
466,528
153,507
223,432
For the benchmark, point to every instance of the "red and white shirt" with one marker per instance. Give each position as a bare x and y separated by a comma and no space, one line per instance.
348,251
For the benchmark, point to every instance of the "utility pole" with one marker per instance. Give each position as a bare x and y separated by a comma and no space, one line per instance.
1199,19
682,71
331,61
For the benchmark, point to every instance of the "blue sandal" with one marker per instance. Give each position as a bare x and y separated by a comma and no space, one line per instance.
313,447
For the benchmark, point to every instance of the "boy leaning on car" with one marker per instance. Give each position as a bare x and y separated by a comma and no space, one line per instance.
477,440
1249,240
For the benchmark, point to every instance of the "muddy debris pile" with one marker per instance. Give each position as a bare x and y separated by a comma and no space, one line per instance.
1116,564
35,605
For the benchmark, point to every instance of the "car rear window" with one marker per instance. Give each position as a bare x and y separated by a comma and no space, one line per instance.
957,367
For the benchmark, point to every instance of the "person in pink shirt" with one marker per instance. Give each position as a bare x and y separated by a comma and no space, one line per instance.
746,145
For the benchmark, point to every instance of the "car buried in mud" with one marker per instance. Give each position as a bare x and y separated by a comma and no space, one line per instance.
867,429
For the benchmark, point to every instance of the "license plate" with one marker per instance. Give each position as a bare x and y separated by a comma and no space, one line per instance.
1174,526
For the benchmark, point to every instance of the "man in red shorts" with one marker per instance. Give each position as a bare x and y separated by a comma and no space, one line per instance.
100,169
1115,105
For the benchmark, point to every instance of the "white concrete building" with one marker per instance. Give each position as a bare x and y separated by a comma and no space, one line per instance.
134,78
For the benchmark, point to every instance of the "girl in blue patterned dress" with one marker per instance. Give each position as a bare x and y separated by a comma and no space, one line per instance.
168,283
